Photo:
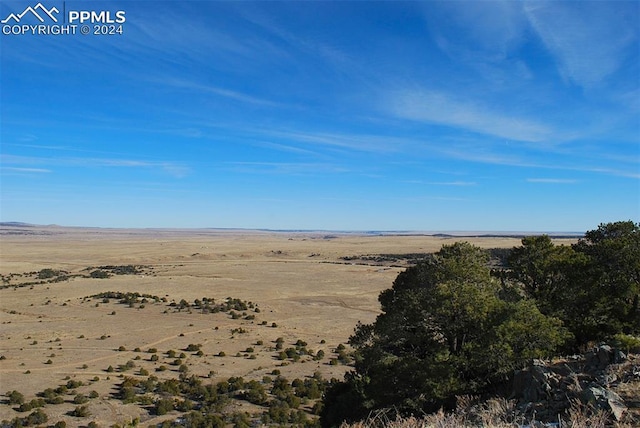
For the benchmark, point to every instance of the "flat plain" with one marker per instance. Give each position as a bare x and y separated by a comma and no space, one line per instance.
57,326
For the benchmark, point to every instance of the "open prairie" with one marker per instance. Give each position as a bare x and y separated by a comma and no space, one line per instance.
59,325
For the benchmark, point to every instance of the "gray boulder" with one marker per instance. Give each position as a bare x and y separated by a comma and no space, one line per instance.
606,400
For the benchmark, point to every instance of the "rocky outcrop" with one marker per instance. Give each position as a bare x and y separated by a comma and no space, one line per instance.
548,389
605,399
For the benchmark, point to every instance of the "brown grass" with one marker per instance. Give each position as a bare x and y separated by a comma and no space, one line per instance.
495,413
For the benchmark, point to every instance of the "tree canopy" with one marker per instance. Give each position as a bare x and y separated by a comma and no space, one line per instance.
450,326
447,327
593,286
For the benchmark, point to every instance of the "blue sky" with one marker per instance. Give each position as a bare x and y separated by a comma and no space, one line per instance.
432,116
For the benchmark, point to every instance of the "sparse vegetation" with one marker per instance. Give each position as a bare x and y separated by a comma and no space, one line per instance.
15,397
281,401
129,299
80,412
38,417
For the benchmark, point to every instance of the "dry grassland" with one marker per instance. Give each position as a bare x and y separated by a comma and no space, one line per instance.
54,332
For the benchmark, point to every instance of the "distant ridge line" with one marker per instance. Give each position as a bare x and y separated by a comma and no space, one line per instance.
460,234
511,235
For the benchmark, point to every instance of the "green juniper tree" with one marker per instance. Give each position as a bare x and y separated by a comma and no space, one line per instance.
445,329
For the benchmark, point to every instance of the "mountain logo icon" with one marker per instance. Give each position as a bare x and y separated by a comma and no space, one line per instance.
38,11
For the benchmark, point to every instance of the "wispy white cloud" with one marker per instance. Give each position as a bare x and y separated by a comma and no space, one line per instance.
286,148
305,47
485,156
552,180
611,171
357,142
631,100
476,31
454,183
9,159
25,170
588,43
40,146
27,138
482,36
177,171
442,183
172,168
469,149
287,168
444,109
537,158
223,92
126,163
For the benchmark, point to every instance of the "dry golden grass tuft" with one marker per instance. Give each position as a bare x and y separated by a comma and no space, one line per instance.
495,413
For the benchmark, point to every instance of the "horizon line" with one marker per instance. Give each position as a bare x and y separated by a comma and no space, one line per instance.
405,232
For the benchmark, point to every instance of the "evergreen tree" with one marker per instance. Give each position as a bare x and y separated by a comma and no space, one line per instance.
444,330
